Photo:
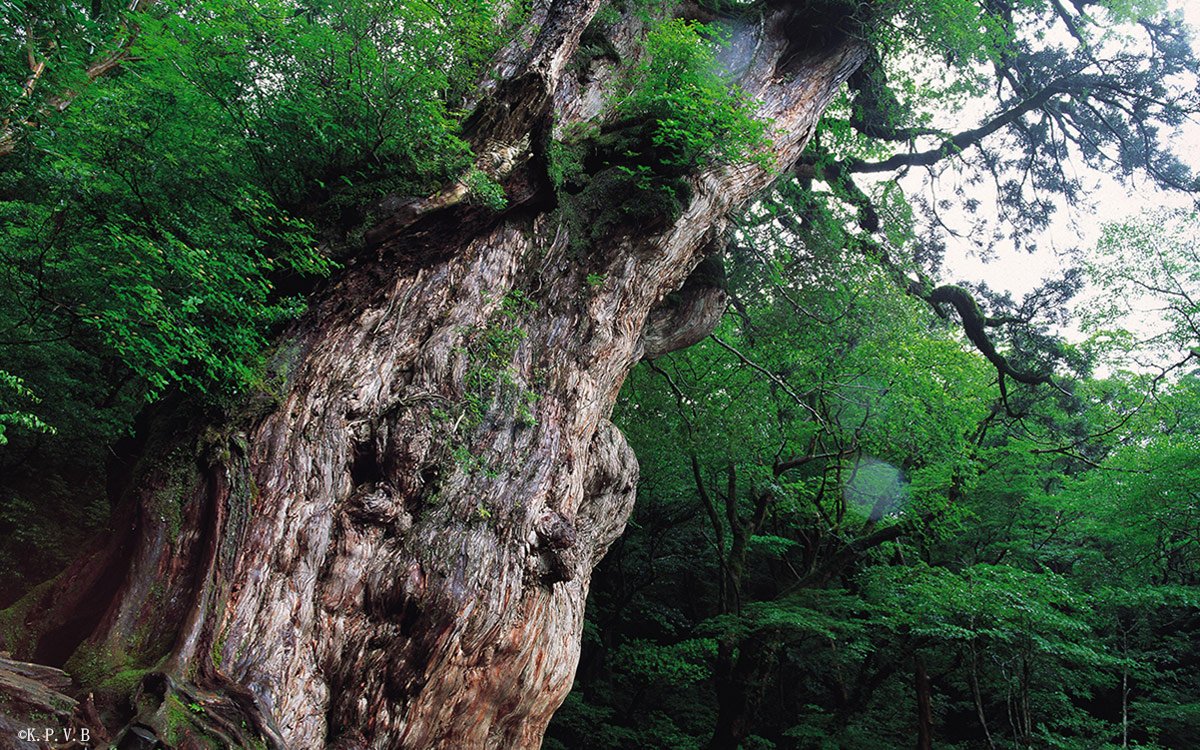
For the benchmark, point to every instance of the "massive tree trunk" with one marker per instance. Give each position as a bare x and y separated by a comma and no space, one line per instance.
393,550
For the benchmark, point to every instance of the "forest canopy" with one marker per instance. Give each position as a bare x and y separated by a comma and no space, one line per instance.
877,506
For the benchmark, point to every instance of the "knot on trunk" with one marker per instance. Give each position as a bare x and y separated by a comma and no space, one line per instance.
380,506
557,558
556,530
689,314
608,491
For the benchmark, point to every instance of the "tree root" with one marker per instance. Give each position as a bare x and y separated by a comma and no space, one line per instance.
180,715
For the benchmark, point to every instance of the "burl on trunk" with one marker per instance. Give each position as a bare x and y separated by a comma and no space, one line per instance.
393,549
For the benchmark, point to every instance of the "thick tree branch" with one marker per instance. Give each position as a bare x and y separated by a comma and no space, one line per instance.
959,143
782,467
974,323
876,107
1069,21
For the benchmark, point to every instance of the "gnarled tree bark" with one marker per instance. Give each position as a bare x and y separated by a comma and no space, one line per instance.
393,551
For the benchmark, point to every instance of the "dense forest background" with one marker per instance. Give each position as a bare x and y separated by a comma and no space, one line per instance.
843,539
874,510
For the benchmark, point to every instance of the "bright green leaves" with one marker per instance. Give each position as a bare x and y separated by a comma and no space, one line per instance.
47,51
157,212
997,602
1145,509
961,32
124,222
698,118
1008,631
675,117
188,312
13,394
484,190
367,87
1149,270
817,614
1128,11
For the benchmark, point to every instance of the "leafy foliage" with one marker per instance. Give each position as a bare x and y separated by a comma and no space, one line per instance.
677,116
13,389
1097,83
1148,270
697,117
844,501
158,221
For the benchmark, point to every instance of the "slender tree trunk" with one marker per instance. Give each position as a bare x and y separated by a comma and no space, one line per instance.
393,551
1124,707
977,695
1124,689
924,693
742,680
